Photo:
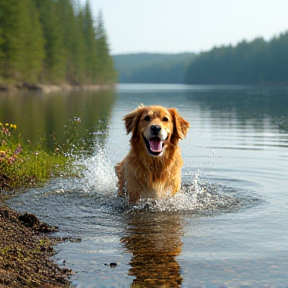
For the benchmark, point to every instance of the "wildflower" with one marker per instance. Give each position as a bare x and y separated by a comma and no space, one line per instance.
77,119
18,150
11,159
13,126
6,131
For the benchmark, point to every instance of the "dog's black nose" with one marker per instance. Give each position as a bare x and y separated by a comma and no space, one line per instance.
155,129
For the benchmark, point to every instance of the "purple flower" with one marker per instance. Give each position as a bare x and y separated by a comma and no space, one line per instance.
18,150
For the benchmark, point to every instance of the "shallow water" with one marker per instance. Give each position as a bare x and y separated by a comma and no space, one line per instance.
227,228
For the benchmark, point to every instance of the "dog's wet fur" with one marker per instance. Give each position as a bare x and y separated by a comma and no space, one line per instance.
152,168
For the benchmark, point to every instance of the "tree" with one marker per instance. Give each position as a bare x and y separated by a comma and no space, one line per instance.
21,41
105,68
52,41
33,48
73,41
91,59
54,64
255,62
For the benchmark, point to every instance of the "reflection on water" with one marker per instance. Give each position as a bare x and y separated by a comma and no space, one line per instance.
251,106
49,116
154,240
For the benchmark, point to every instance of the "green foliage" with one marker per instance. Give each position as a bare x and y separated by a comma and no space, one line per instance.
74,42
106,64
52,41
256,62
29,164
91,55
152,68
21,44
54,64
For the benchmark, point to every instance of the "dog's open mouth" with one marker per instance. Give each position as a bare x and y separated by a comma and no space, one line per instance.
154,145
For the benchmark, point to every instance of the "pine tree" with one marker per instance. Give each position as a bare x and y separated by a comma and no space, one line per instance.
52,41
12,39
34,45
54,66
22,41
2,39
105,68
73,41
91,45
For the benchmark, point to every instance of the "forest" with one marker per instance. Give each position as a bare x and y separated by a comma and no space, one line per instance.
255,62
152,67
258,62
53,42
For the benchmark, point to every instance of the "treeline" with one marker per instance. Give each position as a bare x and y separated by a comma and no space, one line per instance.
256,62
53,41
152,67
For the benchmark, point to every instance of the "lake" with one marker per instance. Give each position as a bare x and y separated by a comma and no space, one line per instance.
227,228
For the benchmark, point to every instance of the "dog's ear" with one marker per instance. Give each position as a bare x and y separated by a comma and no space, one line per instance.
180,125
131,121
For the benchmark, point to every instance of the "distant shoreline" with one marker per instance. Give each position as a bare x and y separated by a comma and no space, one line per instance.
48,88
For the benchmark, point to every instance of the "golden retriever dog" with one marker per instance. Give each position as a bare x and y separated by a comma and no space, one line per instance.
152,168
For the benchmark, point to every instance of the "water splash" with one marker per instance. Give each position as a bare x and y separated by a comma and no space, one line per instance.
197,196
99,175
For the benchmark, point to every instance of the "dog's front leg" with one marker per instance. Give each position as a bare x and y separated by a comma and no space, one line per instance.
120,172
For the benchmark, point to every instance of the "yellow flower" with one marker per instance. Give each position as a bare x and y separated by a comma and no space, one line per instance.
6,124
13,126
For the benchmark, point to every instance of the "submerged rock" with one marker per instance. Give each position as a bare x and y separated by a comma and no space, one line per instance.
30,220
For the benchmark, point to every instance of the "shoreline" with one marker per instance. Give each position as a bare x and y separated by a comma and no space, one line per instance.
26,251
48,88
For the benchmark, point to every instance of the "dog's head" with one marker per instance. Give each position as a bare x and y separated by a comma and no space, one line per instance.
156,127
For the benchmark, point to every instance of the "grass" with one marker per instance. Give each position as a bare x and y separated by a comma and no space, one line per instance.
24,164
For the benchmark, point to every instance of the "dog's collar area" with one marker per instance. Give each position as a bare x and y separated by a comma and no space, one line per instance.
154,145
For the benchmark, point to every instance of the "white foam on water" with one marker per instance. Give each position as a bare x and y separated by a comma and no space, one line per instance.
196,196
99,175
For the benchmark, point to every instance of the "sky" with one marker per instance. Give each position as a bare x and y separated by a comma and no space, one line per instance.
176,26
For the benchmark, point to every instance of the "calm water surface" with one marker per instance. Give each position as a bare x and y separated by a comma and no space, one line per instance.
229,226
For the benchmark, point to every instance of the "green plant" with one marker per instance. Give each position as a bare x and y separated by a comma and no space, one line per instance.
30,164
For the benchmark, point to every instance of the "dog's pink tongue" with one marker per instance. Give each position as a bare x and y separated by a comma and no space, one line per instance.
155,145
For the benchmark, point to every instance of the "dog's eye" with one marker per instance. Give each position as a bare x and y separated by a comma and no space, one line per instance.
147,118
165,119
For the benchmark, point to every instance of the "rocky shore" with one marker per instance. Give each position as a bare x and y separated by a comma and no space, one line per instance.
25,252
